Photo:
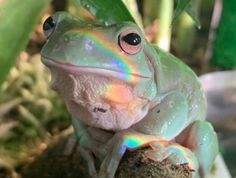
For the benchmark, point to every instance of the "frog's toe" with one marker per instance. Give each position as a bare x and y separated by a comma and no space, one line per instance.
176,159
109,166
71,145
175,153
157,152
105,175
88,157
181,155
155,155
111,162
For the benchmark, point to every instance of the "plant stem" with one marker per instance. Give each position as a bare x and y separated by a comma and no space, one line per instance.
133,9
186,31
151,9
163,36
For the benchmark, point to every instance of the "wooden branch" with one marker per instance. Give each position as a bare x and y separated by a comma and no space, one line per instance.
52,163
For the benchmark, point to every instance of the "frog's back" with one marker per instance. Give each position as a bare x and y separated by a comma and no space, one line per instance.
177,76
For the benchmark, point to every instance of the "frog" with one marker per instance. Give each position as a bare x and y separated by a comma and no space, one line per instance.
124,93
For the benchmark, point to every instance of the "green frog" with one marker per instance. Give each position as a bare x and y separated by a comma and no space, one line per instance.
124,93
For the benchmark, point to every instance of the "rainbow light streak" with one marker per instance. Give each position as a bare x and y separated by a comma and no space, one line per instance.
108,48
132,142
117,93
183,152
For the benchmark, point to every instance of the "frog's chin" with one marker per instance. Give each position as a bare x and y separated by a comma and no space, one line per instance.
114,119
75,69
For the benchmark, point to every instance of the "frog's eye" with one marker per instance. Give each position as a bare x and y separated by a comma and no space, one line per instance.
130,42
48,26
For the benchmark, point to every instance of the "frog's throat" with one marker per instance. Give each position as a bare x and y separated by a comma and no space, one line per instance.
75,69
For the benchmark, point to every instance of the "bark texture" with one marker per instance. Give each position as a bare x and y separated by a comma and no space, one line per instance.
52,163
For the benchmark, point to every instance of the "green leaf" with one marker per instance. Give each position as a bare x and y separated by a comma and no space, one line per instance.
193,15
186,5
181,6
107,11
18,19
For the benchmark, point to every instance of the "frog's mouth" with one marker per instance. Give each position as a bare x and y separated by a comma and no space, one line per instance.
75,69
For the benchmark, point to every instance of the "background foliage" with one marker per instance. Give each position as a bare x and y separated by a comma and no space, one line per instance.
31,114
15,28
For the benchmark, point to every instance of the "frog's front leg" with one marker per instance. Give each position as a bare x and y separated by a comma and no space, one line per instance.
164,122
117,146
201,138
91,143
166,119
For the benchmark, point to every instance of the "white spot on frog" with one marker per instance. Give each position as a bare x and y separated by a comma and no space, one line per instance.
171,104
164,129
88,45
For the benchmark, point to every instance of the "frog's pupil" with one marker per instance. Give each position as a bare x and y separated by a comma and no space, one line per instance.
48,24
132,39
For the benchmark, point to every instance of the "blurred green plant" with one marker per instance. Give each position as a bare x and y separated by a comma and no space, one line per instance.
109,12
185,31
18,19
186,5
29,111
224,52
16,26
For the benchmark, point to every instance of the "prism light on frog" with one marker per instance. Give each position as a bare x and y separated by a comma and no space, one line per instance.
124,93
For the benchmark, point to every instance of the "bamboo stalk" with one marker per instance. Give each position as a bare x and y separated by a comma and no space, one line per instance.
133,9
163,36
151,9
186,31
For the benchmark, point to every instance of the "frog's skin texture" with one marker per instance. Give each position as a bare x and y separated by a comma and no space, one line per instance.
124,93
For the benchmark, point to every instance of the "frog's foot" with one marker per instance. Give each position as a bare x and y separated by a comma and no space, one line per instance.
201,138
71,145
88,157
117,147
175,153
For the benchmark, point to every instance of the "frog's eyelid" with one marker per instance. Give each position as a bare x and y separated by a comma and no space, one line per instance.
50,24
130,41
128,26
